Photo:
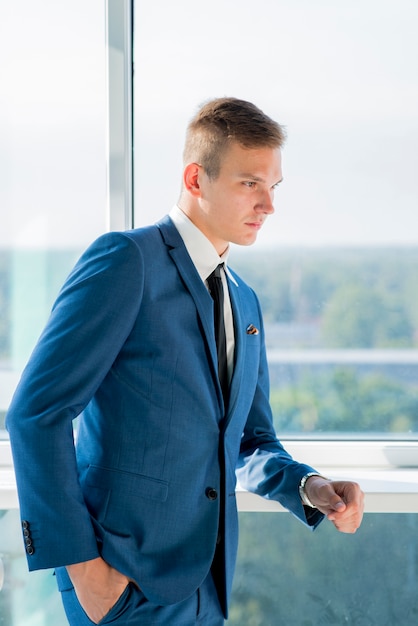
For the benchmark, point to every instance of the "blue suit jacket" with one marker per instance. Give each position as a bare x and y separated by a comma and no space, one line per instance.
130,346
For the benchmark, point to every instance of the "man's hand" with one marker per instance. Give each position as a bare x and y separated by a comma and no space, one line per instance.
341,501
98,586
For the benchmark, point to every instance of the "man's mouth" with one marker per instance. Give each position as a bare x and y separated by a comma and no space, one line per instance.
256,225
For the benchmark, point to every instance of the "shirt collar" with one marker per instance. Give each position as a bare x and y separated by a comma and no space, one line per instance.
200,249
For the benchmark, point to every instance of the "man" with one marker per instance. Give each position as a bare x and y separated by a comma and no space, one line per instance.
140,521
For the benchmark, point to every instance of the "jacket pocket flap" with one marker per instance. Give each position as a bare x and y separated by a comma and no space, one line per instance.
135,485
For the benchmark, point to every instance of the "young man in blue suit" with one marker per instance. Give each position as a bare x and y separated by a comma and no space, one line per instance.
139,518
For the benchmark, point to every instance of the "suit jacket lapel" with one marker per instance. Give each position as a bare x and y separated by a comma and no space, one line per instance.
204,307
195,286
239,349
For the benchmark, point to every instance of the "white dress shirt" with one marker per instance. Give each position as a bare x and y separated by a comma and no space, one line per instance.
206,259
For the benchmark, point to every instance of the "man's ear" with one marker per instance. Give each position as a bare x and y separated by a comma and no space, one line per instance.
191,176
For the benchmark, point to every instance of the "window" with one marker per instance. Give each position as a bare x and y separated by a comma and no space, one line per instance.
335,271
53,195
325,577
335,268
53,202
342,80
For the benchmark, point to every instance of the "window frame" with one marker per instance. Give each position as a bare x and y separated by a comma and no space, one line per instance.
119,76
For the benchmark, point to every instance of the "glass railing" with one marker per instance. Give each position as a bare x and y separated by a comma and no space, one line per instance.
288,575
285,574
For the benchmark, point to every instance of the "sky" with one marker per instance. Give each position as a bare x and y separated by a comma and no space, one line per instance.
342,78
52,123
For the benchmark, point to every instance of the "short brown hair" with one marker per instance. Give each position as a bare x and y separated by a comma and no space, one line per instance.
222,121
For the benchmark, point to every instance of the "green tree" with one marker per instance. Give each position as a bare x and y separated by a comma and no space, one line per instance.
345,401
358,316
375,287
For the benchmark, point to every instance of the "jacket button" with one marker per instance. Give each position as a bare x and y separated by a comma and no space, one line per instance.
30,550
25,524
211,493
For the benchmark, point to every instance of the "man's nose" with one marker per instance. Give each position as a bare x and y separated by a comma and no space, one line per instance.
265,204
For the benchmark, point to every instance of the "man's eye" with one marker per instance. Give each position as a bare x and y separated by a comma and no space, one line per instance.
249,183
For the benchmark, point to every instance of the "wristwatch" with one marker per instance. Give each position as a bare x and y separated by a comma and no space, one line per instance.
302,492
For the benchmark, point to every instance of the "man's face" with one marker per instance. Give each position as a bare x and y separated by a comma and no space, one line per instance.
234,206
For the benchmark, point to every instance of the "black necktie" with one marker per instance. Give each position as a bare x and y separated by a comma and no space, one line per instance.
217,292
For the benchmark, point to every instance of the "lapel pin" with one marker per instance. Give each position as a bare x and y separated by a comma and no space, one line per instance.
252,330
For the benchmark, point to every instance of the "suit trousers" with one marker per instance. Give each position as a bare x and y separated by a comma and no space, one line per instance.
133,609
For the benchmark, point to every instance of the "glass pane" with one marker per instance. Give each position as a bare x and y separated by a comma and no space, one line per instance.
341,333
288,575
53,192
336,268
285,574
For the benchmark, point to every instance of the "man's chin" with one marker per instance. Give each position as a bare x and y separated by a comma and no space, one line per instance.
246,241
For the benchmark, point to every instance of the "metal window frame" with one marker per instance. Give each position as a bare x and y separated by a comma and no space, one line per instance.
119,79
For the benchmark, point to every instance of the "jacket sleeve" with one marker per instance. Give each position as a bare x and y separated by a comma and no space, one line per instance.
89,323
264,466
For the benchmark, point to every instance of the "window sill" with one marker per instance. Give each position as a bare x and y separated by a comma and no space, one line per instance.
386,491
386,471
